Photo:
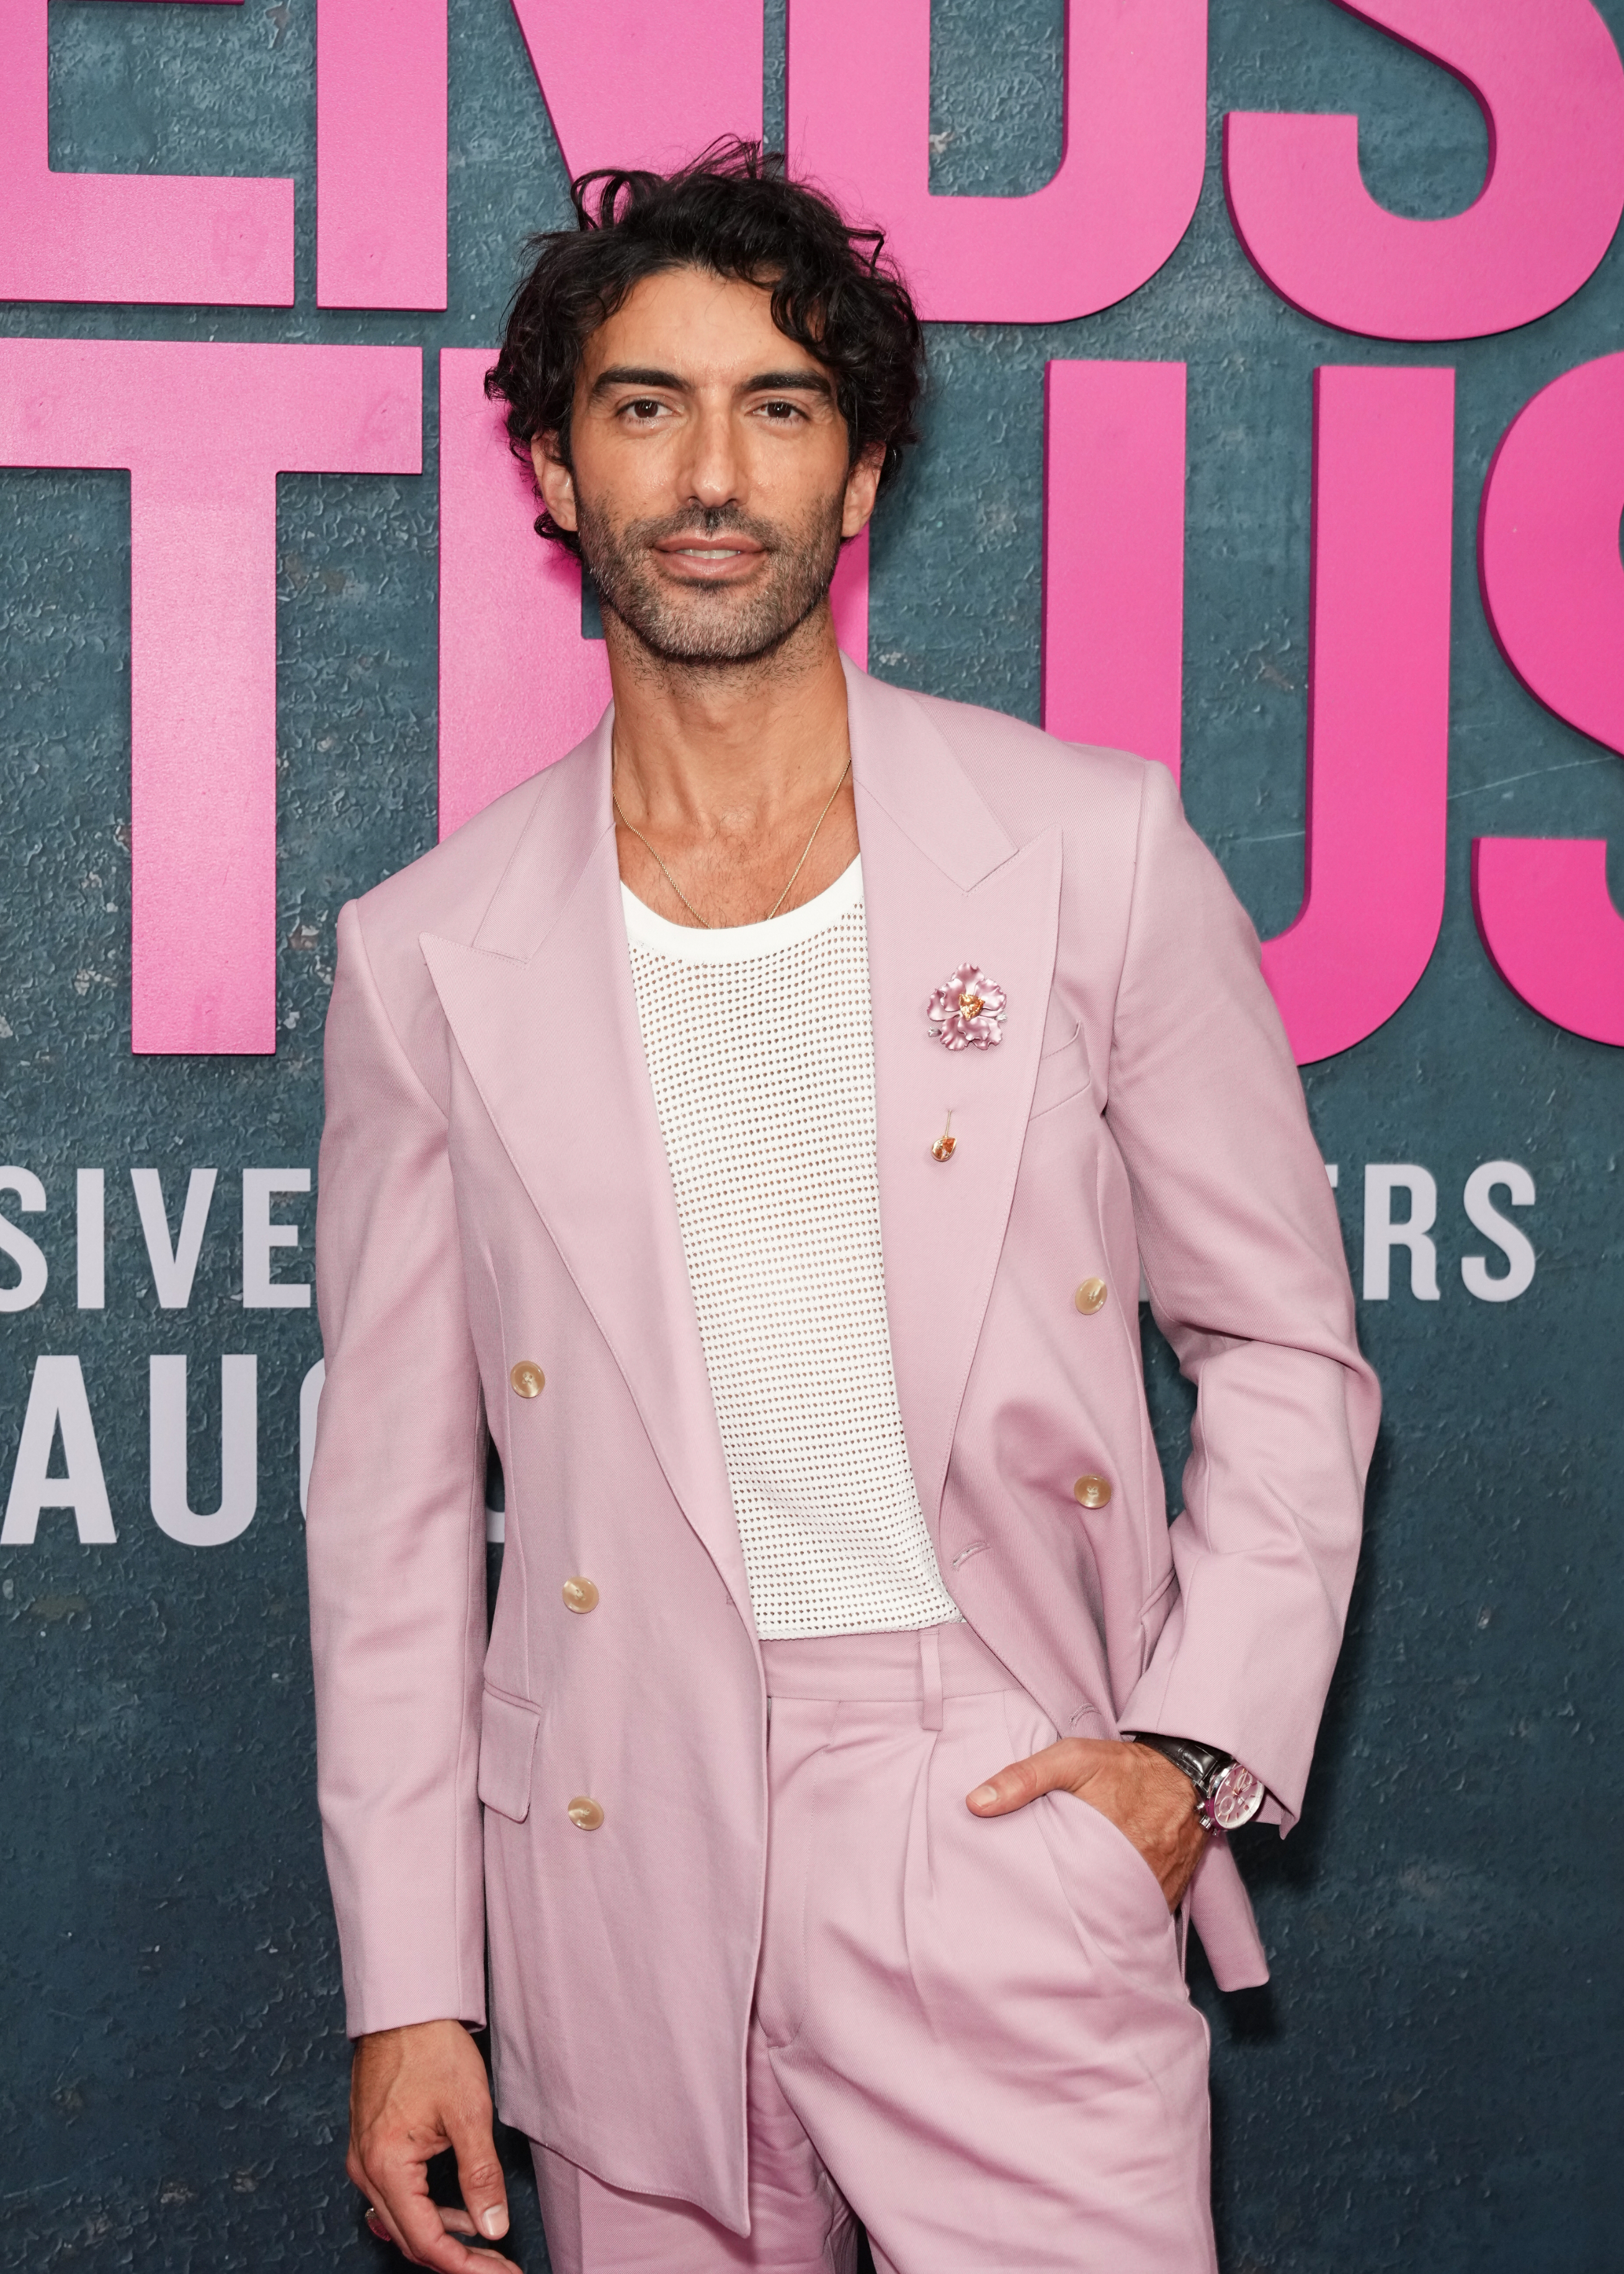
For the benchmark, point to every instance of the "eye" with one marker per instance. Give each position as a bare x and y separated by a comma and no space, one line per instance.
781,412
643,408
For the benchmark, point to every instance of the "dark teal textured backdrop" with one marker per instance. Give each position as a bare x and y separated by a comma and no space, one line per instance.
1431,2080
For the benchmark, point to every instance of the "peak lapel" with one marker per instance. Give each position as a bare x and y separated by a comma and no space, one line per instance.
544,1014
944,885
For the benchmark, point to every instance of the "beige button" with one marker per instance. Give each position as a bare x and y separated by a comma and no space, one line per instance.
584,1813
528,1378
1090,1297
1093,1492
580,1595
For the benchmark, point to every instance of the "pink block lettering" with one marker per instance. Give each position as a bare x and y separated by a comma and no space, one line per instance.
204,430
626,83
519,684
645,82
380,154
1553,591
1378,707
1552,933
1548,547
1114,555
1120,201
124,237
848,600
1550,84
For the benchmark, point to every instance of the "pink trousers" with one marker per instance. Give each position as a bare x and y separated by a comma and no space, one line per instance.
973,2034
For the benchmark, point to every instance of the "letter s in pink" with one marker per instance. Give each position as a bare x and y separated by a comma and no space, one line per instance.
1553,591
1549,80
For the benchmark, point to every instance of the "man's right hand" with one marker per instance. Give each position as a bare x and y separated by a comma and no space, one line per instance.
414,2093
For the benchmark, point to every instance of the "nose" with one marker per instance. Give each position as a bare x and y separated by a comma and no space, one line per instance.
712,473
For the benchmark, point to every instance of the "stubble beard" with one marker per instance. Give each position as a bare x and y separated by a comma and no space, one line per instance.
712,626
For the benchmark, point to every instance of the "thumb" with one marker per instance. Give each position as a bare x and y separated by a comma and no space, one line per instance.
1055,1768
479,2172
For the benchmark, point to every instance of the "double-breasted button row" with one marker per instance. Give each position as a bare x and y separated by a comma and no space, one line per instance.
1091,1491
581,1596
527,1378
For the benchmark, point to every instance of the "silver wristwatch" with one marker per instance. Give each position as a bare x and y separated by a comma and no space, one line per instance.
1226,1796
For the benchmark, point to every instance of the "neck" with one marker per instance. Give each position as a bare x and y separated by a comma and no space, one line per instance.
703,747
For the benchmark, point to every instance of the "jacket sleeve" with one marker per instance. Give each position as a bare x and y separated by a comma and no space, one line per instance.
1243,1253
396,1532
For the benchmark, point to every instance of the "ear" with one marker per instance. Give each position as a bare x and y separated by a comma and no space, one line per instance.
554,480
862,485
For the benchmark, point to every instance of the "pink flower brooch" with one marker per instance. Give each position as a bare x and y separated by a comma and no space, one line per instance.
969,1009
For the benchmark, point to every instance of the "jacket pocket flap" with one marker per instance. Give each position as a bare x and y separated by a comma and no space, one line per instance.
1061,1075
507,1751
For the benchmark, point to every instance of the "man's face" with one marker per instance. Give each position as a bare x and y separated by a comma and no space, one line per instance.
710,485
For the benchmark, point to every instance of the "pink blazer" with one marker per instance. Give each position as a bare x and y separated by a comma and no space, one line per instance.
493,1190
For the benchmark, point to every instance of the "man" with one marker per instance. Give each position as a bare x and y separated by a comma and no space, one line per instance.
757,1122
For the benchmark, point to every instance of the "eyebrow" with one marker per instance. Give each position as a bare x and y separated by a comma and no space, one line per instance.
764,382
788,382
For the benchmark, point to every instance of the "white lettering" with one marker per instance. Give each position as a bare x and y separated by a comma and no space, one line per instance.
1382,1179
32,1267
260,1292
56,1400
310,1406
91,1239
173,1269
1515,1245
239,1451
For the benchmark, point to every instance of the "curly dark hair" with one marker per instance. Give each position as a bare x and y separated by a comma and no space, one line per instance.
735,212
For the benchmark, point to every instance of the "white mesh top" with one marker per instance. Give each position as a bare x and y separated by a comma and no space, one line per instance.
760,1052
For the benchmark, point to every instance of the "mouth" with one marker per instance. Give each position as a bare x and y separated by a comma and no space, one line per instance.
710,560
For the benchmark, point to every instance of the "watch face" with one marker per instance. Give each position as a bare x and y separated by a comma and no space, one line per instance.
1236,1798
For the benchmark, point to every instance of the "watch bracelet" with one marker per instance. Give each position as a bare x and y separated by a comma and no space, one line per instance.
1203,1765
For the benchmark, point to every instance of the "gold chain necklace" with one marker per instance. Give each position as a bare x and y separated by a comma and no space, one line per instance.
676,888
